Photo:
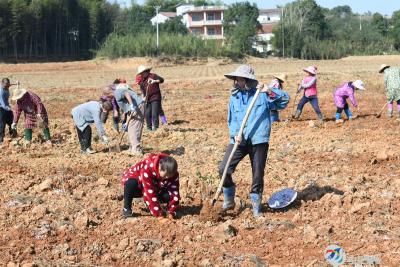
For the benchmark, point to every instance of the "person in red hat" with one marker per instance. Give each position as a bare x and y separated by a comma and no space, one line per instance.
138,81
150,86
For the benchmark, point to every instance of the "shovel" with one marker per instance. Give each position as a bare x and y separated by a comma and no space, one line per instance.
294,103
117,146
214,200
382,109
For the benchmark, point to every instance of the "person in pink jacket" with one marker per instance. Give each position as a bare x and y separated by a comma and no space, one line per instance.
346,90
309,84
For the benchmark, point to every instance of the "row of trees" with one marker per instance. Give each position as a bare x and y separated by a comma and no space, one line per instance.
135,36
309,31
81,29
75,29
54,28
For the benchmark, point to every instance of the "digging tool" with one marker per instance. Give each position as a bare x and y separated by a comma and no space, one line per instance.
117,146
294,102
382,109
249,109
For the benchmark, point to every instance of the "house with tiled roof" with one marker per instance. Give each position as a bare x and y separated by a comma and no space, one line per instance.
162,17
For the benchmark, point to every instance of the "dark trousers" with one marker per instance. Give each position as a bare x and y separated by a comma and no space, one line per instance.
258,157
85,137
152,112
132,190
6,118
314,103
346,107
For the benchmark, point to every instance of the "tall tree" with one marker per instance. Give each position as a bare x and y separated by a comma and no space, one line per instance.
240,26
395,29
380,23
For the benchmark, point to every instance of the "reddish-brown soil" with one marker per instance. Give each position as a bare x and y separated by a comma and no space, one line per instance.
58,207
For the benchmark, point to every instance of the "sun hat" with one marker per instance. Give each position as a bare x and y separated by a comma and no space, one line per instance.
282,77
142,69
18,94
359,84
311,69
282,199
243,71
108,91
383,67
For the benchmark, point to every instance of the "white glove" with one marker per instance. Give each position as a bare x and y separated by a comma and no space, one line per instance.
104,139
150,81
125,127
13,126
132,107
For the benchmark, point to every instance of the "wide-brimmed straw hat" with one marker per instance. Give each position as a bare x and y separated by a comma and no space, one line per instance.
18,94
142,69
383,67
359,84
311,69
243,71
281,77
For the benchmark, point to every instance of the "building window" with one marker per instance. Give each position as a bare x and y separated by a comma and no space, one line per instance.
210,16
196,31
211,31
197,17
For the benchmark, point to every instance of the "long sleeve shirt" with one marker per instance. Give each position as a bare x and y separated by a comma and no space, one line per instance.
392,83
151,90
4,96
343,92
151,184
309,84
31,105
86,114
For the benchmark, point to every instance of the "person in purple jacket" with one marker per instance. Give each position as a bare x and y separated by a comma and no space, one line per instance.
108,95
346,90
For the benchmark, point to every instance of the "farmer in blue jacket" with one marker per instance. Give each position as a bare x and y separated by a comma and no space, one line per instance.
86,114
255,139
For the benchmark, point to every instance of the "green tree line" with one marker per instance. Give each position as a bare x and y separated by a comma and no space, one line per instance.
82,29
35,29
309,31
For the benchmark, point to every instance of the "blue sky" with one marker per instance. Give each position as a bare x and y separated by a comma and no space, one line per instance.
385,7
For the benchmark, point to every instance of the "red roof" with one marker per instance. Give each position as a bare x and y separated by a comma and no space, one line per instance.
267,28
168,14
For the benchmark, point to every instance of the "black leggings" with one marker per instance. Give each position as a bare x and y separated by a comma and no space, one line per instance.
132,190
85,137
6,118
152,112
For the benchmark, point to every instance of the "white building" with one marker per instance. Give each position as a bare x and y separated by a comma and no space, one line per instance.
204,21
267,16
162,17
269,19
